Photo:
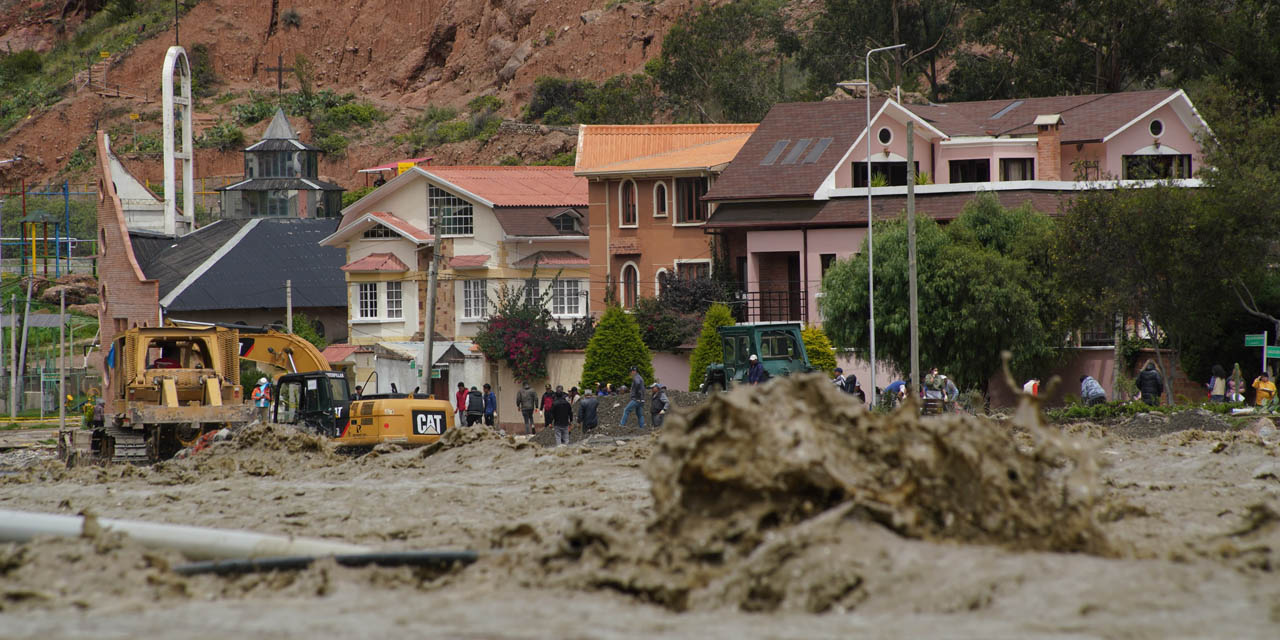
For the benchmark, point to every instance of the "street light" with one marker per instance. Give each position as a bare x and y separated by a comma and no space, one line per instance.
871,277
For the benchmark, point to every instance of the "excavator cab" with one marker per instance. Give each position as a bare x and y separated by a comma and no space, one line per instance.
316,400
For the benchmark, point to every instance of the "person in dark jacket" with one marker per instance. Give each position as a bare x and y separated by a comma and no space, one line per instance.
475,406
490,405
588,416
637,398
526,402
658,404
561,416
1091,392
755,371
1150,385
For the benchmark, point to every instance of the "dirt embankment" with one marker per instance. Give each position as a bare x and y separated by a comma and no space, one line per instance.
401,56
788,500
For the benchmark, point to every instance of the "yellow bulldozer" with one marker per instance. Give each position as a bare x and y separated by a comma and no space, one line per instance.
165,387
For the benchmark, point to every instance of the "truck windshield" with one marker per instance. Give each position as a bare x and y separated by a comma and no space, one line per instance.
778,345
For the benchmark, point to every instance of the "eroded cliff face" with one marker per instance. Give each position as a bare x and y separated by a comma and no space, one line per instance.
403,56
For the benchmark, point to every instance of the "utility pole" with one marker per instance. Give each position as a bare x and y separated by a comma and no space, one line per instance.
62,360
26,324
911,259
429,322
13,357
288,306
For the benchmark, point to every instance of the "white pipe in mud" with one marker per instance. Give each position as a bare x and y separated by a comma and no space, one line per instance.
196,543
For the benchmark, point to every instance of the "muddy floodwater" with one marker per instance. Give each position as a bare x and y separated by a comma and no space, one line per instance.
782,512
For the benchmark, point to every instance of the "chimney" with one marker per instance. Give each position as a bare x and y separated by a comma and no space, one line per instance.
1048,147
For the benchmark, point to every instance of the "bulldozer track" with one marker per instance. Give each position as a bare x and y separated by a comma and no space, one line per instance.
128,446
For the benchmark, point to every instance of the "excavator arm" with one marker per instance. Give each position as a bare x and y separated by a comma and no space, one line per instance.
282,350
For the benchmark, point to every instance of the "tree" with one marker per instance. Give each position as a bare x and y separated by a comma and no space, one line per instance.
723,64
614,349
691,295
518,333
709,350
818,347
833,46
662,328
304,327
981,286
1061,48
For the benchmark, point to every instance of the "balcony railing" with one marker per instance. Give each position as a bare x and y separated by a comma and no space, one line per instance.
773,305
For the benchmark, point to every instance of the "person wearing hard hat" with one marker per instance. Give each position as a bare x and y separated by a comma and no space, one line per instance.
755,371
262,398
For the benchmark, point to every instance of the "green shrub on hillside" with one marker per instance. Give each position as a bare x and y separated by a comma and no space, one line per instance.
709,351
18,65
223,136
350,197
614,349
621,99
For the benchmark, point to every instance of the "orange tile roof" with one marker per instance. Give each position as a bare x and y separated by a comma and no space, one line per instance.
517,186
475,261
704,156
376,262
335,353
552,259
608,144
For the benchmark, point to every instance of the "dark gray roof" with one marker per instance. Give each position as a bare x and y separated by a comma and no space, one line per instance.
281,184
169,262
280,145
248,270
147,245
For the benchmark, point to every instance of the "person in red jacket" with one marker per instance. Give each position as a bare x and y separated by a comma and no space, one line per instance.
460,399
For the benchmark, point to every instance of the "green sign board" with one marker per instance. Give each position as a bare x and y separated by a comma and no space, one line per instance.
1255,340
1273,352
436,373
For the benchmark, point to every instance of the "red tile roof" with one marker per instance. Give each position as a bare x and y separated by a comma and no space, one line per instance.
335,353
376,262
391,220
468,261
517,186
552,259
535,221
1085,118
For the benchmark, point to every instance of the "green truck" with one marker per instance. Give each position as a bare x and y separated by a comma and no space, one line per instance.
778,345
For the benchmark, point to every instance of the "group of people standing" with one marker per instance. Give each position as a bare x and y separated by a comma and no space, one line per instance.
562,409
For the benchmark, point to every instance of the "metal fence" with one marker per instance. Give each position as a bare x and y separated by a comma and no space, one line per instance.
38,390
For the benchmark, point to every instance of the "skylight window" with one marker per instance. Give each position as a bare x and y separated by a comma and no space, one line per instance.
794,153
817,150
773,154
1010,107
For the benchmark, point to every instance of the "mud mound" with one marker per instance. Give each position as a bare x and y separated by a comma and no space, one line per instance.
461,437
58,573
1154,425
258,449
547,437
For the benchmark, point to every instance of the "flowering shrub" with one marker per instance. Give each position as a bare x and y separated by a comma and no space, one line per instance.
522,332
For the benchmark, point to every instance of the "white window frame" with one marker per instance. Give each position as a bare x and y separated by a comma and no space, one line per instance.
446,220
361,300
396,312
666,199
558,303
622,205
471,298
622,284
706,261
657,281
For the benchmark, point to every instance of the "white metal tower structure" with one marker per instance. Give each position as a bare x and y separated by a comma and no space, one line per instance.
183,104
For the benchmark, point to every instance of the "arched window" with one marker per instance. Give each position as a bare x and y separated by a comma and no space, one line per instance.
630,286
658,278
628,203
660,200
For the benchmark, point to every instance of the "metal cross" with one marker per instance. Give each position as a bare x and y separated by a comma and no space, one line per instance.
279,69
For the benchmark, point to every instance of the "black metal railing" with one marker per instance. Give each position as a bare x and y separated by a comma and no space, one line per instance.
775,303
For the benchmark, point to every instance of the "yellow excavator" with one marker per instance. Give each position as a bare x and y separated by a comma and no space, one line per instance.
167,386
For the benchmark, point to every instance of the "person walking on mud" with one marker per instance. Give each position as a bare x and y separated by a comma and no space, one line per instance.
658,404
548,398
561,416
460,400
588,412
637,398
262,399
526,402
1150,384
1235,388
